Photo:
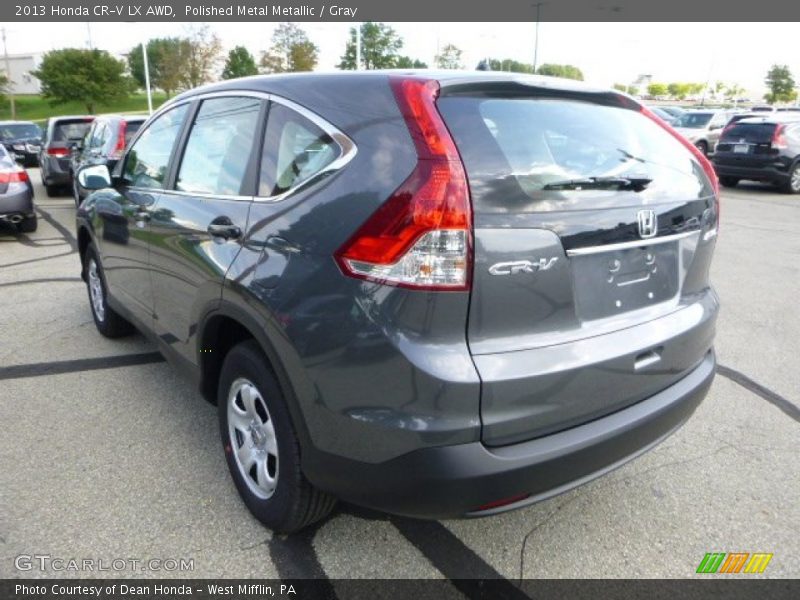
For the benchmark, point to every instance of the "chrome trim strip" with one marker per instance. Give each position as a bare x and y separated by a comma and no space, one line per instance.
634,244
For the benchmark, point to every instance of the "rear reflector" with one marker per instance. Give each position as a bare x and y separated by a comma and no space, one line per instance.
58,151
420,237
13,176
503,502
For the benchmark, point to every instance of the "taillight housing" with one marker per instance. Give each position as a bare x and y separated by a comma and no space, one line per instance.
119,148
421,237
708,168
779,139
58,151
15,176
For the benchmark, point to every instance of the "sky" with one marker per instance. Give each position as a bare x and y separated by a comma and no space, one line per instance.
607,53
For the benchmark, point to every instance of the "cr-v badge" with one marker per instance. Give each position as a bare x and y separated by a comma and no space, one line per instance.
522,266
648,224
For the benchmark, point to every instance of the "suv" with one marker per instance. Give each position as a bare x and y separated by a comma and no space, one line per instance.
765,148
61,135
104,144
702,128
435,297
23,140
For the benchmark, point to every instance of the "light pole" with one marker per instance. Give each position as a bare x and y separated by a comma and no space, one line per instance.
538,7
147,78
8,72
358,47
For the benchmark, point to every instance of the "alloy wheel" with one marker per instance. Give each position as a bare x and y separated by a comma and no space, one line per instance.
96,291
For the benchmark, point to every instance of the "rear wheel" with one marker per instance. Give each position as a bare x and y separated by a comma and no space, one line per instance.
52,190
703,147
729,182
261,446
108,322
28,224
792,185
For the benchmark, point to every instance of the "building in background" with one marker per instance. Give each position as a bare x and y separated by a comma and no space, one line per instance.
20,67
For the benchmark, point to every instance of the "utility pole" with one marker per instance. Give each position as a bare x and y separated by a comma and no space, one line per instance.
89,35
538,7
147,78
8,72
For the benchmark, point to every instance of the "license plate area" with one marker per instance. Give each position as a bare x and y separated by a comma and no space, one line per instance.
614,282
741,148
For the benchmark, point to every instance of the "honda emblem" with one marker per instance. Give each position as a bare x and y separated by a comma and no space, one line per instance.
648,224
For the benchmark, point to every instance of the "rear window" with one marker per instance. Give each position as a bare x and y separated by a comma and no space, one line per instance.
538,143
754,133
131,127
694,120
67,131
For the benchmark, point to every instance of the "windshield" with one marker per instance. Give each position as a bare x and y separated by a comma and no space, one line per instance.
694,120
19,130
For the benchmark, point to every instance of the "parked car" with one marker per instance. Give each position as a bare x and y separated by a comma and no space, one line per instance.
765,148
702,128
789,109
676,111
23,140
762,109
104,144
433,296
664,115
61,134
16,194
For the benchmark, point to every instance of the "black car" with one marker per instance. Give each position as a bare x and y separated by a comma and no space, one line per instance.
104,144
23,140
54,158
762,149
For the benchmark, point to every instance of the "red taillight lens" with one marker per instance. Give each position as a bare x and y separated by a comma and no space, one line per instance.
421,236
58,151
503,502
119,149
708,168
7,177
779,139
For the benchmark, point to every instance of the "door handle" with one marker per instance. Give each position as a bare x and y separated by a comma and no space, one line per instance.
223,227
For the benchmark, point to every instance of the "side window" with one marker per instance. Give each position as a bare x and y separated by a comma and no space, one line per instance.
98,136
295,149
219,146
147,161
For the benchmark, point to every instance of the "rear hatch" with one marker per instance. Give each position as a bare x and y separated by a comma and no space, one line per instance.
592,225
66,133
747,144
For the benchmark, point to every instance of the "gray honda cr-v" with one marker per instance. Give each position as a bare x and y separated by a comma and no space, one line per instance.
433,294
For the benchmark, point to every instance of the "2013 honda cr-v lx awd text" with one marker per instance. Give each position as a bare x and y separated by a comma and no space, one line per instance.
432,294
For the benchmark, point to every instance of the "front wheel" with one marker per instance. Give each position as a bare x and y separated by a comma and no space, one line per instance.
108,322
261,446
702,147
792,185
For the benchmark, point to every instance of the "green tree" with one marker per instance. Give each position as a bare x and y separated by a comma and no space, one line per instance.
678,91
449,58
380,45
657,89
291,51
164,56
564,71
240,63
507,64
91,77
406,62
781,84
620,87
633,90
200,54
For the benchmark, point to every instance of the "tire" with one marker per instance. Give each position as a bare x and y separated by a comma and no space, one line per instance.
703,147
729,182
28,224
108,322
52,190
254,419
792,185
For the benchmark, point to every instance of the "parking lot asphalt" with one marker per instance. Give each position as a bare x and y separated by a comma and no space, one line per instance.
107,453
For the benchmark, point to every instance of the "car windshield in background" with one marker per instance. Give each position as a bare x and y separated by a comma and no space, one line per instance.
753,133
694,120
65,131
131,127
556,146
18,131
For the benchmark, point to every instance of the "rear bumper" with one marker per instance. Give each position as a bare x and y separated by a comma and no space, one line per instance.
16,203
453,481
54,172
770,172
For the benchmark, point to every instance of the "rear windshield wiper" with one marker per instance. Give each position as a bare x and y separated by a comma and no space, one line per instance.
636,184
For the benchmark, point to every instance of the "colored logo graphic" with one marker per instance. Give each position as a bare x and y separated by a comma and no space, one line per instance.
734,562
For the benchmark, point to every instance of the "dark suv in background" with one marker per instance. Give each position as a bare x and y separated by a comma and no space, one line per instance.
23,140
104,144
761,149
434,294
61,134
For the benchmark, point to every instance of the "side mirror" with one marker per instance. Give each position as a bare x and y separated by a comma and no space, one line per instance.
95,177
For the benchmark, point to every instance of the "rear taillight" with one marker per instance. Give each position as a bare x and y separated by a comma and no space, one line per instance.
119,149
708,168
779,139
19,176
420,237
58,151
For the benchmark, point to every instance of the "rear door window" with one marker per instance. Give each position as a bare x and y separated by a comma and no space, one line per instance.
219,146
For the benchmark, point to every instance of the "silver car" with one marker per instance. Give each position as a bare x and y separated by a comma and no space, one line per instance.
703,128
